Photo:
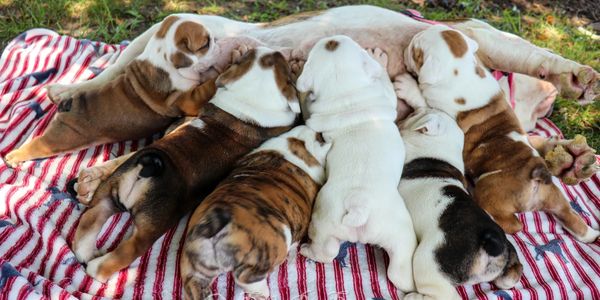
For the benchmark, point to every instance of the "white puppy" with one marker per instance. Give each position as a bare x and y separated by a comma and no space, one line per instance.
353,105
458,242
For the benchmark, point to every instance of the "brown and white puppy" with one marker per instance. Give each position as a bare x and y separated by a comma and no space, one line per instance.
158,86
250,221
164,181
458,242
508,173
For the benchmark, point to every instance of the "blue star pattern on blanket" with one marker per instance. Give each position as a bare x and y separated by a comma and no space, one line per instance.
41,76
95,70
552,246
35,106
576,207
5,223
69,261
503,295
341,257
7,271
58,195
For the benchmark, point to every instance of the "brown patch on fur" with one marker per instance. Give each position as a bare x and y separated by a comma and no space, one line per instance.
237,70
455,72
261,196
332,45
456,43
417,55
516,180
190,102
319,138
192,38
460,101
479,70
180,60
164,27
283,75
295,18
298,148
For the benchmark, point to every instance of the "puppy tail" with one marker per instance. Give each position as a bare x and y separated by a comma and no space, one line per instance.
492,242
213,222
357,213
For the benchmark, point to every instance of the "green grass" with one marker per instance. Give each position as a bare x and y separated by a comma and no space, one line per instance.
113,21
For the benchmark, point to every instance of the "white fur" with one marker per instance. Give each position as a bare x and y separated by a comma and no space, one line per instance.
518,137
314,147
423,133
256,98
360,201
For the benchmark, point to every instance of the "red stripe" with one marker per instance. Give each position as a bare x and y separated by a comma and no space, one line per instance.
373,272
282,281
321,288
301,270
339,280
356,276
177,284
390,285
230,286
161,267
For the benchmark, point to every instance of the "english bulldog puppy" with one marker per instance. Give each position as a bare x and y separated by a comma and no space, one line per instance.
352,103
458,242
508,173
154,89
253,217
160,183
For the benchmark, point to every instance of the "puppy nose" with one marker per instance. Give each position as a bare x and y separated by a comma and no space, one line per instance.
152,165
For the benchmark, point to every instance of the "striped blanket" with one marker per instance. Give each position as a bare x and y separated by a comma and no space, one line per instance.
38,219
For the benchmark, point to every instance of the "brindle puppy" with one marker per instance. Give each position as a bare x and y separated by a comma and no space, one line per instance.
161,183
248,224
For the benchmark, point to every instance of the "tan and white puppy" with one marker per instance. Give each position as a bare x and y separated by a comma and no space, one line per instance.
353,104
162,182
458,242
508,173
261,210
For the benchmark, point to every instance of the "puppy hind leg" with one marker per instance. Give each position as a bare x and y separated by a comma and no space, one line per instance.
90,224
322,249
57,139
556,204
90,178
145,233
400,268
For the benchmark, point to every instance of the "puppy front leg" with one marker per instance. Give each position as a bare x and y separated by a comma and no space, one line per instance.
431,284
407,89
556,204
190,102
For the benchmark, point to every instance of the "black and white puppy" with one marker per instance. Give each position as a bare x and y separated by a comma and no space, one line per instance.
458,242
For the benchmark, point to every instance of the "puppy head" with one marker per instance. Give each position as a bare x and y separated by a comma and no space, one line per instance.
335,65
261,82
534,98
440,52
303,147
178,44
431,126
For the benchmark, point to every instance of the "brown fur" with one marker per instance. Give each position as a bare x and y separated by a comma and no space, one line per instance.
180,60
165,26
131,106
237,70
460,101
516,180
298,148
263,194
192,38
332,45
455,42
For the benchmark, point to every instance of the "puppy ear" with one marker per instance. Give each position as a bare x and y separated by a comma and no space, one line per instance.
430,125
305,82
431,71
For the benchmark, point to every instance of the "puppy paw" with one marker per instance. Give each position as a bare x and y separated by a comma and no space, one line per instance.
407,89
296,67
58,92
590,236
96,269
571,160
88,181
14,158
380,56
238,52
